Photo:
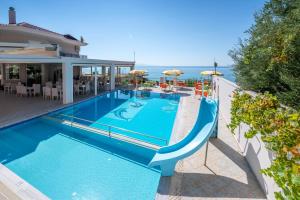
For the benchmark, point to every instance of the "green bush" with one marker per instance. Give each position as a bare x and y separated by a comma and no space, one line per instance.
269,60
280,130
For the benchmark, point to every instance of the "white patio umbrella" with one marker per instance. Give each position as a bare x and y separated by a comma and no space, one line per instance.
210,73
172,72
138,73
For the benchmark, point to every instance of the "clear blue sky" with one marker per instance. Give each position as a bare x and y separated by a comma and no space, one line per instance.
162,32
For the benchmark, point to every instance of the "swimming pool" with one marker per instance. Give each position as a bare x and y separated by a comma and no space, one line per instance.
68,163
147,116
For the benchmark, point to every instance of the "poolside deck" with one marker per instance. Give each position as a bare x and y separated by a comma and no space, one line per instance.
227,175
14,109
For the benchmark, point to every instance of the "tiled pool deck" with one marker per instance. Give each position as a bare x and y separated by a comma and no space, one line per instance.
14,109
227,175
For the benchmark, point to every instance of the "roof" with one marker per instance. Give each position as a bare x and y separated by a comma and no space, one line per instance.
37,28
27,25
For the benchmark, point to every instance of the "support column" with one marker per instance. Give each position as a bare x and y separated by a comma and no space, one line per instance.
67,75
131,67
96,81
44,73
1,74
112,77
104,76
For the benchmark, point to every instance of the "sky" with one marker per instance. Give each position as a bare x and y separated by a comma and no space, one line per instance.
160,32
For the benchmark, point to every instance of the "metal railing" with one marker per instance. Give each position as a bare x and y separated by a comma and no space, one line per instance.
115,128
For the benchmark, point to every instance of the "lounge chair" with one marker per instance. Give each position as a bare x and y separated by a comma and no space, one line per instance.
163,86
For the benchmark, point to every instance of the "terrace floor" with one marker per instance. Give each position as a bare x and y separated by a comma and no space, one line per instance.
14,109
227,175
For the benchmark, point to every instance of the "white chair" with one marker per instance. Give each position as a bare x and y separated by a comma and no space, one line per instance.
22,90
18,90
54,94
76,89
47,93
82,89
43,90
88,88
36,89
7,88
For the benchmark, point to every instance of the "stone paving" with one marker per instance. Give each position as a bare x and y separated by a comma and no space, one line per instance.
227,174
14,109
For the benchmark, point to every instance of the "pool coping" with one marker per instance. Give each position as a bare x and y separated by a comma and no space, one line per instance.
168,184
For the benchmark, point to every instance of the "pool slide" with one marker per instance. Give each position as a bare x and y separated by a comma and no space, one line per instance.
204,128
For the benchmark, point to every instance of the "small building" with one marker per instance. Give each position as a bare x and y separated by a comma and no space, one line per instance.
33,55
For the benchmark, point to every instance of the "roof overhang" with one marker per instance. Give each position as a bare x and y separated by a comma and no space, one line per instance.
72,61
22,29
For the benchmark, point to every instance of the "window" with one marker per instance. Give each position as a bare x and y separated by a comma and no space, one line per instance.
12,72
77,49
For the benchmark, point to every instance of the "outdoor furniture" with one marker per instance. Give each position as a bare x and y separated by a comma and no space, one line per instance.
205,93
18,90
82,89
7,88
76,89
163,86
21,90
36,89
198,92
54,94
47,93
88,88
29,90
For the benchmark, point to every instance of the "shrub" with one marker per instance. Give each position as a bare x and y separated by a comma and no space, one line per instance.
279,128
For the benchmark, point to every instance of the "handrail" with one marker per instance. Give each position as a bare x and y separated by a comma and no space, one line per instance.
118,128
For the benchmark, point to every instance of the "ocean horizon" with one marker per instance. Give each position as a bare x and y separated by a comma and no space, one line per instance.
190,72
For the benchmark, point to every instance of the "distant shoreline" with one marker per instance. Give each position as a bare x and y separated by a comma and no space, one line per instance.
170,66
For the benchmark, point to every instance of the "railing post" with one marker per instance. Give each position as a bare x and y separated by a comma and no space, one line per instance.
206,149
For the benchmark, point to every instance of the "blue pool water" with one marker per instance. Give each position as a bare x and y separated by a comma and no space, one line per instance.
68,163
147,113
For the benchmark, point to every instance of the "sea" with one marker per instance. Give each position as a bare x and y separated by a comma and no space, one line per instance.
189,72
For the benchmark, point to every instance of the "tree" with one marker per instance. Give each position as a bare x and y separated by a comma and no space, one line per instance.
269,59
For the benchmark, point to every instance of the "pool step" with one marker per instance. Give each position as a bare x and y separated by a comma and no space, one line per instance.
113,135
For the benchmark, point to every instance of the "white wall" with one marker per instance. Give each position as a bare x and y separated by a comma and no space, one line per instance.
253,149
18,37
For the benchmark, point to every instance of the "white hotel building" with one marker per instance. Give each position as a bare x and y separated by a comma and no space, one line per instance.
33,55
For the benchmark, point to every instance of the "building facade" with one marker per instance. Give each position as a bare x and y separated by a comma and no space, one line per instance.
33,55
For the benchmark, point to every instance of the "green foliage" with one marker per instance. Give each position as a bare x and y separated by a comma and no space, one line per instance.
280,130
269,59
190,82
